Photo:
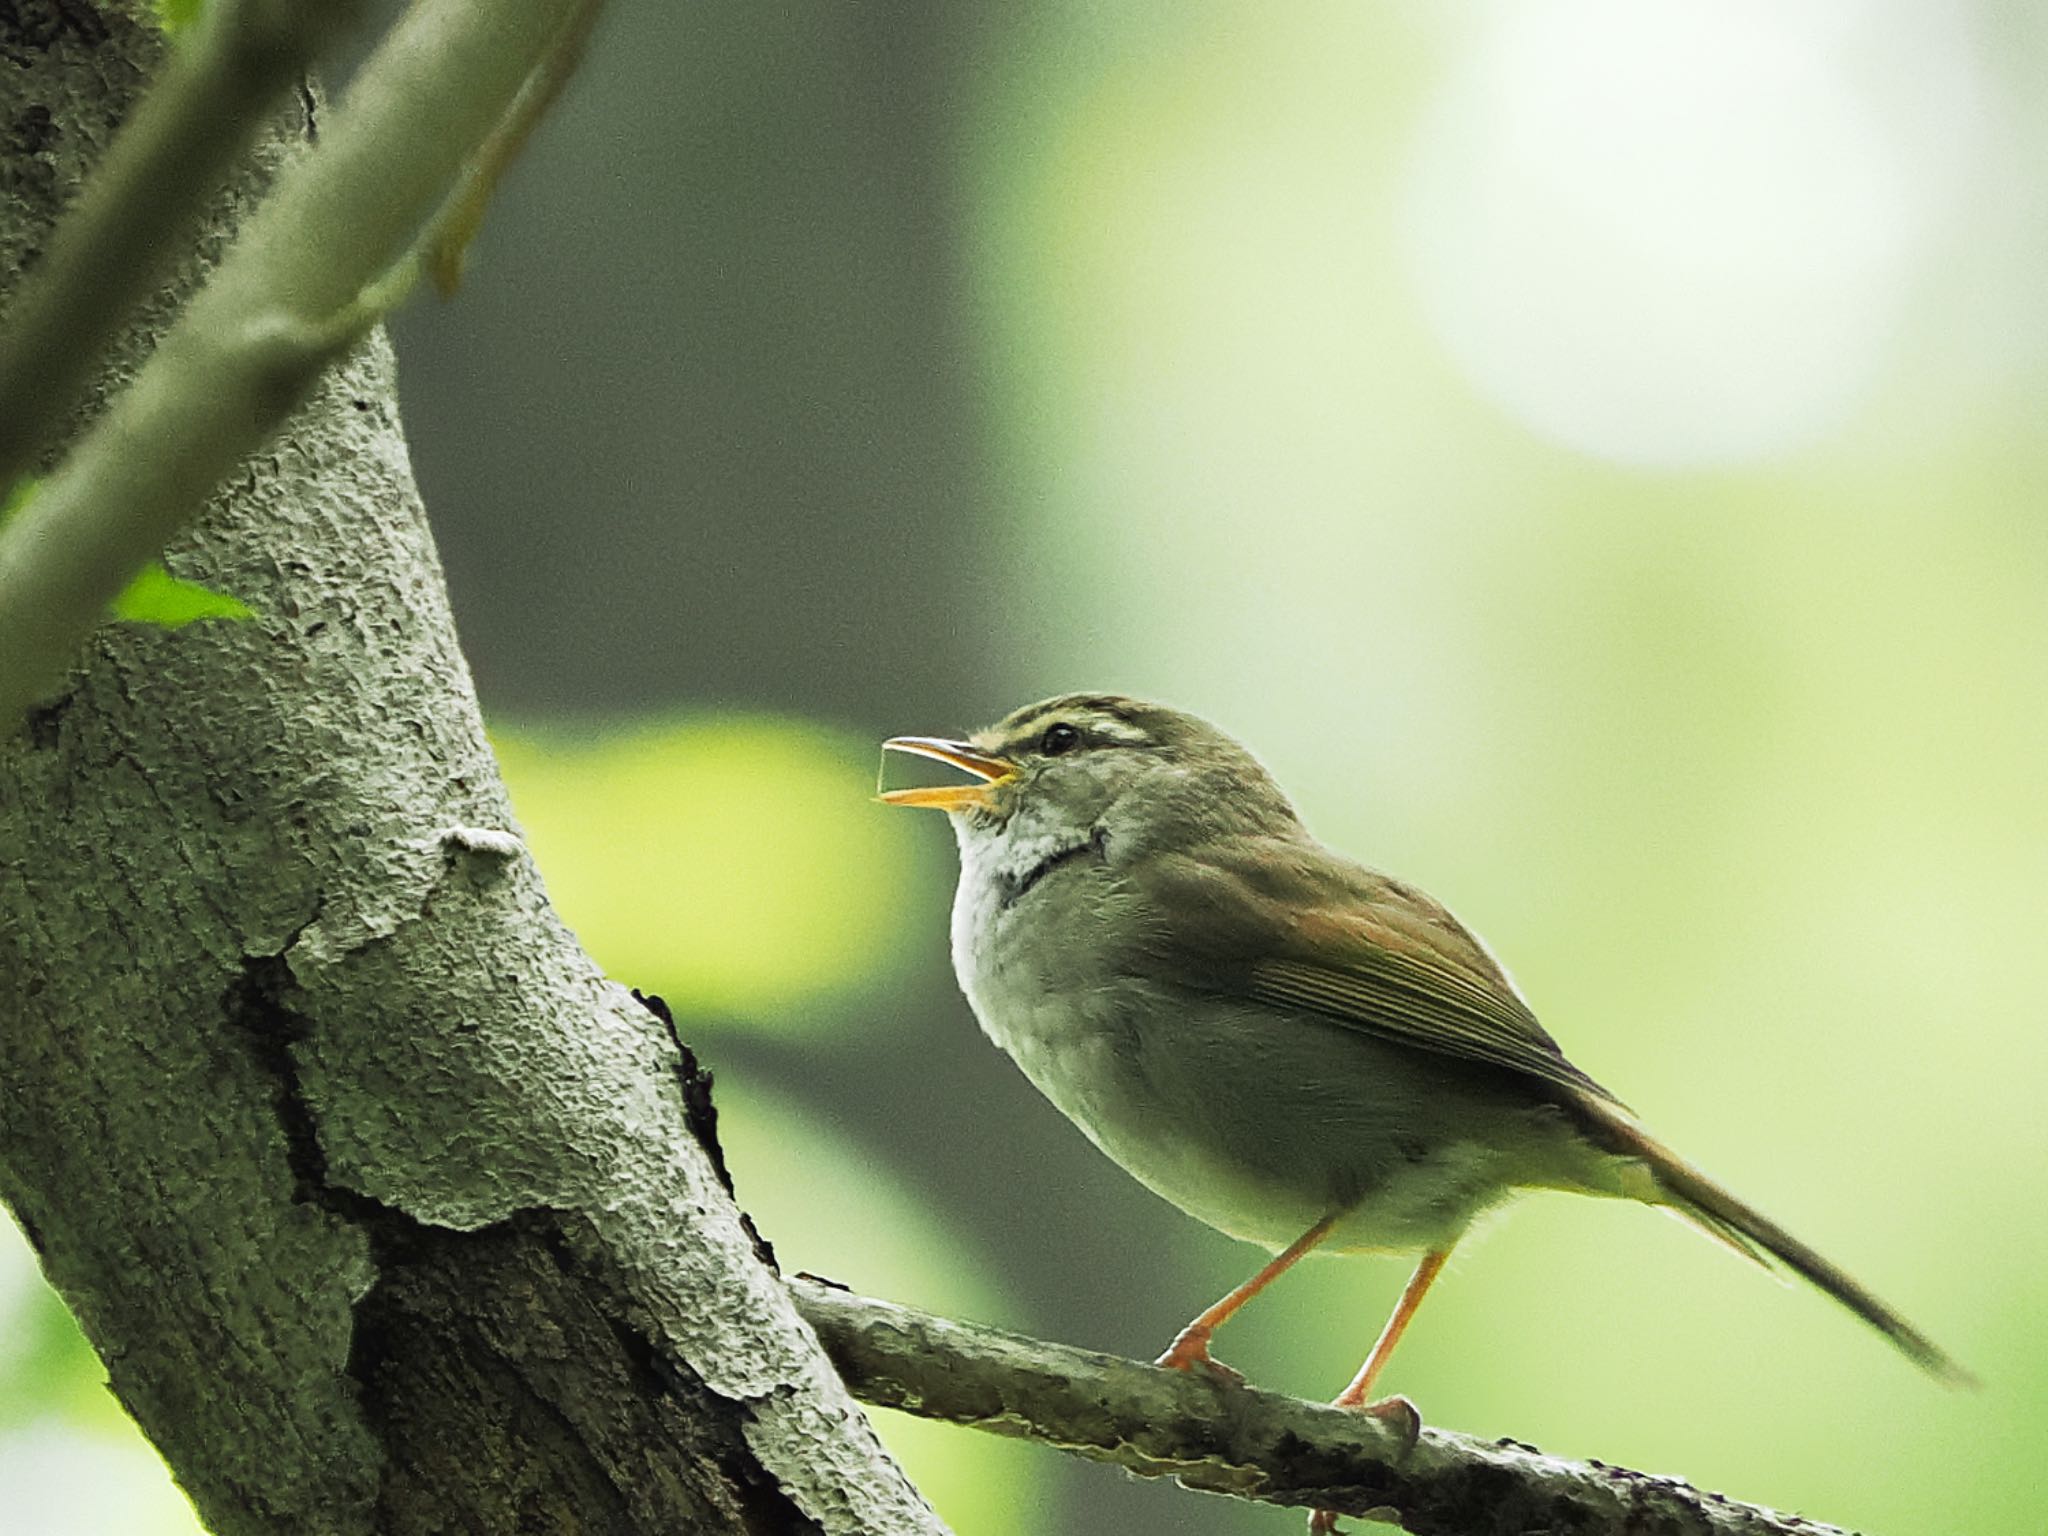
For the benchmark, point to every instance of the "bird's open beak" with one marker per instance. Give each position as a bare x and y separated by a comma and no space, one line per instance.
949,797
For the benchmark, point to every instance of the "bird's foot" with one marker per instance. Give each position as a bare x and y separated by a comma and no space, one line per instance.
1190,1352
1399,1415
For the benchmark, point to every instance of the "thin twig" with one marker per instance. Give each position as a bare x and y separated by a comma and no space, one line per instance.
457,223
218,87
334,236
1226,1438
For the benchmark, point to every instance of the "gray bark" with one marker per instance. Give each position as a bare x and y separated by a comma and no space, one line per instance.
1229,1438
380,1203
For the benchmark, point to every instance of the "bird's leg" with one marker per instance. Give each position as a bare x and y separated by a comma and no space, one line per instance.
1353,1396
1396,1412
1190,1347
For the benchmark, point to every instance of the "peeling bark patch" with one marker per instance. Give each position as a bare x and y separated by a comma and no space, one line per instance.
566,1417
45,724
499,1371
254,1006
701,1116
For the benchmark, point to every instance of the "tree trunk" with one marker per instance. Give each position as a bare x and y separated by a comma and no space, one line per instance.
382,1206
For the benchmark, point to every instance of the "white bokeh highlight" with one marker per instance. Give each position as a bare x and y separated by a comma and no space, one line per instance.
62,1482
1684,234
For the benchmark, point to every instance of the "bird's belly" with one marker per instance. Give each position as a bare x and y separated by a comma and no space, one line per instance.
1256,1122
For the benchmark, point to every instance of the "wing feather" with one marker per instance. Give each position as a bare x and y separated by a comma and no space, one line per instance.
1285,921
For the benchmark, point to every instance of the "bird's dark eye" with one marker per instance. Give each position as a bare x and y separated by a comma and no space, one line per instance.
1059,739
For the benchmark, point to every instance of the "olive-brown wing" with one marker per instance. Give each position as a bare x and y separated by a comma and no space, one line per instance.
1287,922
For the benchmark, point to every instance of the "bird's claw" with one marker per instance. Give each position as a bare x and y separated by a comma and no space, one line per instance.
1190,1353
1399,1415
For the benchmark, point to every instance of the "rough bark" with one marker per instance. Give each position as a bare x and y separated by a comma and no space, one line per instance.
378,1200
1233,1439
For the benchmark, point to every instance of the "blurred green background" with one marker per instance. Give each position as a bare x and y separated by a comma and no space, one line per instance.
1595,452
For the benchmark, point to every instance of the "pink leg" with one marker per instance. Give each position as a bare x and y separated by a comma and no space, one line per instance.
1353,1396
1397,1411
1190,1346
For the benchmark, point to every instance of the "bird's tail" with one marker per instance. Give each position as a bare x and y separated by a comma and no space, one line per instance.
1689,1192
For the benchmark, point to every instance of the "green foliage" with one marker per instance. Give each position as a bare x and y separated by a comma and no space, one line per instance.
178,16
48,1365
738,866
155,596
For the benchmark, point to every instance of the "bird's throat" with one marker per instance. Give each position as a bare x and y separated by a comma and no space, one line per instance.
1013,888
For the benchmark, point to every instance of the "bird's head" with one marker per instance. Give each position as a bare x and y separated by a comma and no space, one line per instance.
1082,762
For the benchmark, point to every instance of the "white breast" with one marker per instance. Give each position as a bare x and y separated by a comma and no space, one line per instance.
1251,1119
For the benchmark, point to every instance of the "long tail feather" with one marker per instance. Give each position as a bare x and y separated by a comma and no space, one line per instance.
1692,1194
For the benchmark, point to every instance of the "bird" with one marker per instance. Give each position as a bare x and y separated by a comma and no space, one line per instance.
1296,1049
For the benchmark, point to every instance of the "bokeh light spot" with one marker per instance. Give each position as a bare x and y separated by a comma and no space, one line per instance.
736,865
1674,235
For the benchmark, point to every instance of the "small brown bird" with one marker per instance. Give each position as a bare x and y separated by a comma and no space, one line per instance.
1289,1046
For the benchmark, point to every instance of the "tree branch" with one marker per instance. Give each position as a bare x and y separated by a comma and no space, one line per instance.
216,93
1247,1443
304,278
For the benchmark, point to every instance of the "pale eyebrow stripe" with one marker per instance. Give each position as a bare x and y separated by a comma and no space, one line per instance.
1118,730
1102,724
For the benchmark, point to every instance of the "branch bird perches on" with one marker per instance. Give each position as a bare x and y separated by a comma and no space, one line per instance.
1226,1438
